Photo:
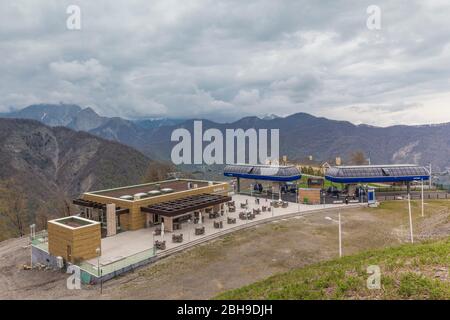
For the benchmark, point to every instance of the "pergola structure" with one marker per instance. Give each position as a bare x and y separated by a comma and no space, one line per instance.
182,206
394,173
274,173
97,205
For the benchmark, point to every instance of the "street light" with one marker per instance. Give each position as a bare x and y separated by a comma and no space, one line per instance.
189,230
410,219
153,241
98,251
340,231
32,237
100,273
422,200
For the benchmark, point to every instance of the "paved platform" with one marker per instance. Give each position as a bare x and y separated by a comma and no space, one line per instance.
129,243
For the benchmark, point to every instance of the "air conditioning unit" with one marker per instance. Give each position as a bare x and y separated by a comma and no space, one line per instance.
59,262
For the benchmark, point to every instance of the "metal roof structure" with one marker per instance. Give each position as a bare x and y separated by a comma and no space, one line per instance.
180,206
377,173
262,172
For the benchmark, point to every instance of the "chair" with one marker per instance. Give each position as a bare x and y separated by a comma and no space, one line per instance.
231,220
199,231
177,238
218,224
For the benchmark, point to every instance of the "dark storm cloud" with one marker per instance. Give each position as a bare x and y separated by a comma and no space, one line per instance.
227,59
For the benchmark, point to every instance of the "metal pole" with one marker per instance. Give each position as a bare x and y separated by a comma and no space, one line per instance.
340,235
101,281
189,230
32,236
410,219
430,177
422,200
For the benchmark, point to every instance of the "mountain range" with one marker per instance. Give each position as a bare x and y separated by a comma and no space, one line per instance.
301,135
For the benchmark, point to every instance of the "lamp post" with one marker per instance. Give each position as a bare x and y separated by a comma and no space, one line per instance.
422,200
340,231
410,219
189,230
98,252
32,237
153,241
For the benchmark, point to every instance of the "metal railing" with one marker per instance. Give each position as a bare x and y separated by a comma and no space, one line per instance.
40,240
104,269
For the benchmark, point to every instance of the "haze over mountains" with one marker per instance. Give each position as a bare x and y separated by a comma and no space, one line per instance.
301,135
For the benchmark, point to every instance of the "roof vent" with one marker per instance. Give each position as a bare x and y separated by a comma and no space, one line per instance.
153,193
166,190
126,197
140,195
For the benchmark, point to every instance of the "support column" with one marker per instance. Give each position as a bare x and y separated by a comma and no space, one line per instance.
168,224
111,224
238,185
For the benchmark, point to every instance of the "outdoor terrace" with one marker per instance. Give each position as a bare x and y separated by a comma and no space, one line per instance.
134,245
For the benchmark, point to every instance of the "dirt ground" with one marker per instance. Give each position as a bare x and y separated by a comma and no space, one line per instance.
237,259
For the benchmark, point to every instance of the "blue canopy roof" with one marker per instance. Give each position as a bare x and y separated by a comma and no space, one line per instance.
262,172
377,173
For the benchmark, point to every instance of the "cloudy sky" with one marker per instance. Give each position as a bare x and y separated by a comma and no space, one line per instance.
227,59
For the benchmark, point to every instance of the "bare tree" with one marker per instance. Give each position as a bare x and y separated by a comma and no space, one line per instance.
358,158
157,171
14,211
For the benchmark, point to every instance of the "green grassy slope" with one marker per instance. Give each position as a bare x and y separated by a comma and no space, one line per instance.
419,271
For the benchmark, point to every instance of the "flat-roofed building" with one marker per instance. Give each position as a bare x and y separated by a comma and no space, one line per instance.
74,238
130,207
